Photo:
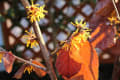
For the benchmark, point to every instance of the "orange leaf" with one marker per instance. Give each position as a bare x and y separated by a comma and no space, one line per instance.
103,36
85,74
19,73
8,60
65,65
74,58
89,72
29,68
38,71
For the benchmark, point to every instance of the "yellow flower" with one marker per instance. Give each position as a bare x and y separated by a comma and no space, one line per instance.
113,20
81,24
78,38
36,12
84,30
30,39
29,69
1,56
81,34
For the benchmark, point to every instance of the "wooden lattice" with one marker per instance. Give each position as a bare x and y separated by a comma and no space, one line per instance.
55,27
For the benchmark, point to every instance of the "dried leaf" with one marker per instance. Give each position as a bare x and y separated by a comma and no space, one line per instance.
19,73
38,71
103,10
104,7
114,50
72,57
8,60
30,68
103,36
66,66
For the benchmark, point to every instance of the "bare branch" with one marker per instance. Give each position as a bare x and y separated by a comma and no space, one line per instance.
118,16
30,63
41,42
25,61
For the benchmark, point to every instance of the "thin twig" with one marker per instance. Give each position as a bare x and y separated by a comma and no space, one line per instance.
25,61
30,63
116,63
117,12
41,42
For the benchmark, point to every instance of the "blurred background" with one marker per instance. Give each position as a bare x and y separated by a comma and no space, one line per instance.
56,27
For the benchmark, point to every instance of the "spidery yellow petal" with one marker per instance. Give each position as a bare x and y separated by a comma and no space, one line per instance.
29,69
30,39
36,12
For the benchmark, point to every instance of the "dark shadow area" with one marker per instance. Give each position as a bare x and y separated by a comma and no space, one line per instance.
105,71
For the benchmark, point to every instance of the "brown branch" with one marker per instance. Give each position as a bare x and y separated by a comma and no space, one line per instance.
118,16
30,63
25,61
41,42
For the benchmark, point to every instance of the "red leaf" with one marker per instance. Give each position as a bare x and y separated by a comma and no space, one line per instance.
8,60
86,74
65,65
19,73
104,7
103,36
29,68
103,10
77,58
38,71
114,50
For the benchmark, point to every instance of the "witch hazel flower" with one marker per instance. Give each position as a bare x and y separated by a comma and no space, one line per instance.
82,29
30,39
36,12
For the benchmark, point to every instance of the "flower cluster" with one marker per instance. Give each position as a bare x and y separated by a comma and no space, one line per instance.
28,68
84,30
1,56
30,39
113,20
35,12
78,38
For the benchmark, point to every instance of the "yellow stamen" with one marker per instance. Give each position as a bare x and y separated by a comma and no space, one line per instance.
30,39
35,12
113,20
29,69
